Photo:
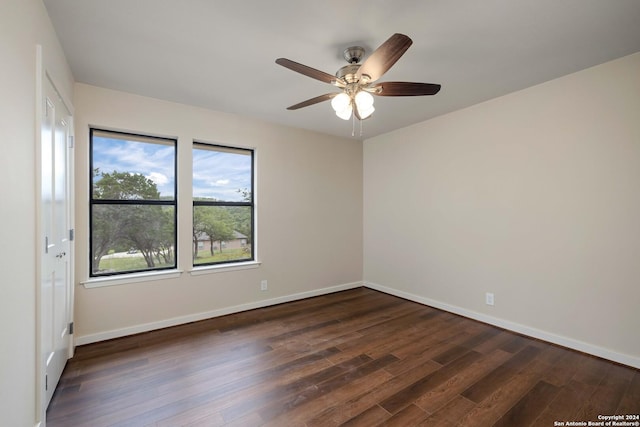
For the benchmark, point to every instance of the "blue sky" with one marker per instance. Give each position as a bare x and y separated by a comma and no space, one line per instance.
216,174
220,174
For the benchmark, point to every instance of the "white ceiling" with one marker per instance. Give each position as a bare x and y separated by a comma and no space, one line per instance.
220,54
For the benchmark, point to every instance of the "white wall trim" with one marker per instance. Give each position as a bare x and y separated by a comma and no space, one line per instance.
584,347
125,279
146,327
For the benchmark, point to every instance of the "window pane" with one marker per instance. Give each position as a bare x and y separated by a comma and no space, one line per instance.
132,238
221,234
221,174
223,204
132,167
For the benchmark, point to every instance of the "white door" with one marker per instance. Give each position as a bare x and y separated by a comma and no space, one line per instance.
56,290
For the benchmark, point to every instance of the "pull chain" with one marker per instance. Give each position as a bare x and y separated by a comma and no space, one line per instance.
353,125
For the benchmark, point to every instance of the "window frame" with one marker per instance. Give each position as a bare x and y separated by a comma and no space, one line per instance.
251,204
173,142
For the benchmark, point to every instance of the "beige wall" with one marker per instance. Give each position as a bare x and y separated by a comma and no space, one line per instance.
533,196
309,195
23,25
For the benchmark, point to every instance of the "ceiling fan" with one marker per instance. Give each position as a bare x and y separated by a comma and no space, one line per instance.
358,81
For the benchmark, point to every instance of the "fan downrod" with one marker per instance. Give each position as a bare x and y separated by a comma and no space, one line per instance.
353,54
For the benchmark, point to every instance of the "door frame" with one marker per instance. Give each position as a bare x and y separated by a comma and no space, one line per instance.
42,74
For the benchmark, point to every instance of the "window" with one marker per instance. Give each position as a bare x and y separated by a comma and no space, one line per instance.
223,205
133,209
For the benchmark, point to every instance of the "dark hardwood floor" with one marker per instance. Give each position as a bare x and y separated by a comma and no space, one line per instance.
357,358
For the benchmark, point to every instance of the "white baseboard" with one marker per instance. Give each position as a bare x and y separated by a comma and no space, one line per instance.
146,327
515,327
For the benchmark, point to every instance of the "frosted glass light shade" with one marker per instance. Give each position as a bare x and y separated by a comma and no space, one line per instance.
345,113
340,101
341,104
364,104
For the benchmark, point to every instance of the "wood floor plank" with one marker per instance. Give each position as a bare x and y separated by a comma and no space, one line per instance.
515,344
406,396
294,389
354,407
279,407
311,408
194,420
563,370
448,390
463,347
495,342
629,402
503,373
371,417
408,416
358,357
566,404
505,396
378,336
256,395
607,395
590,370
434,338
525,412
451,413
407,337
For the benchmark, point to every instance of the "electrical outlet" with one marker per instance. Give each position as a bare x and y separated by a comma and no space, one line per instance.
263,285
488,298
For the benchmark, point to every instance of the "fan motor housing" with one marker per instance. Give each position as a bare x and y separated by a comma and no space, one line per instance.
348,73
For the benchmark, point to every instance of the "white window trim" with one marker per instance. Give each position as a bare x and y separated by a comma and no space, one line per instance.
125,279
148,276
222,268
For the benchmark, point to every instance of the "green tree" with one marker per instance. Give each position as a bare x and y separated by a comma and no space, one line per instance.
148,228
124,186
213,221
199,213
143,225
166,251
242,214
106,232
220,226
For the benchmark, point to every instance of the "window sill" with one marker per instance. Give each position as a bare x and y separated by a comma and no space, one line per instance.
210,269
99,282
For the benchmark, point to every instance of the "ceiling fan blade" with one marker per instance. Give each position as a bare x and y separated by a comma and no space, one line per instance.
384,57
404,89
317,99
310,72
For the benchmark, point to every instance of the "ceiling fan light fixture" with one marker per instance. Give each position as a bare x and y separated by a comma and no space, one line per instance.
358,80
341,104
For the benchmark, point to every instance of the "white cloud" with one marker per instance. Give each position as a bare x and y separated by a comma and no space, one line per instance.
221,182
158,178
